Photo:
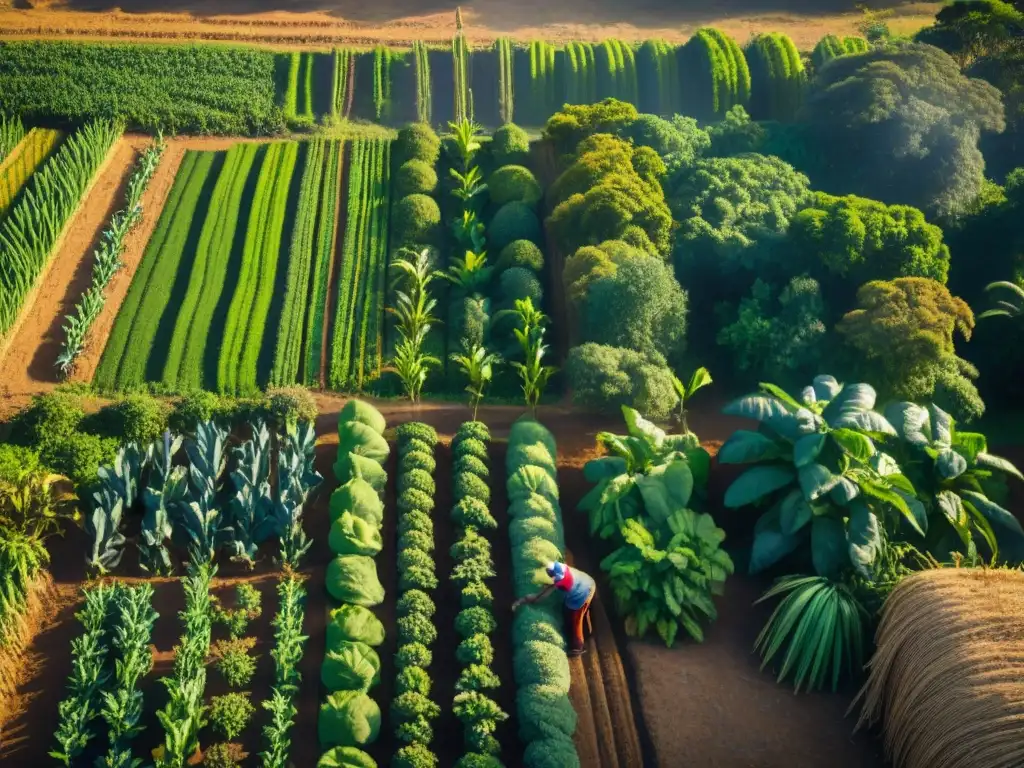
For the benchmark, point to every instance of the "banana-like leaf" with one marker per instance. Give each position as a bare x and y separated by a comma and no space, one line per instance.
780,394
756,483
744,446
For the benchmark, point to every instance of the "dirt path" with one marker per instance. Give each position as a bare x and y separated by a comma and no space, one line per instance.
316,24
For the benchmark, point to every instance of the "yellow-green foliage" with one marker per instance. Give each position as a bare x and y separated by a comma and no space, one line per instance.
342,82
382,58
424,104
460,74
291,94
23,161
718,77
183,366
125,358
326,239
777,77
12,131
506,79
830,47
305,106
543,95
616,71
581,77
660,89
38,217
247,314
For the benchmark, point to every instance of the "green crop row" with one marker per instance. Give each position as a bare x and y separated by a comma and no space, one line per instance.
349,718
12,131
247,313
421,59
128,349
38,218
357,350
547,719
23,161
475,622
291,94
186,351
181,88
287,653
343,81
323,264
412,710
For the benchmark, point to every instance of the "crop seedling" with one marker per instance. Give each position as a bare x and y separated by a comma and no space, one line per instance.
700,379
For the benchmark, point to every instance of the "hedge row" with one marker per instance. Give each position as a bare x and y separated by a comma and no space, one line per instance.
412,710
349,718
777,77
547,719
475,622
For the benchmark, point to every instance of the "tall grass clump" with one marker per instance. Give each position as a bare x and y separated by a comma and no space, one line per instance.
717,75
777,77
421,59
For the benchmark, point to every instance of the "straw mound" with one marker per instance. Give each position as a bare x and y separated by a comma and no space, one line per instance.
947,678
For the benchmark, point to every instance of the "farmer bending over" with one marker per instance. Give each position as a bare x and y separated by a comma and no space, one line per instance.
579,590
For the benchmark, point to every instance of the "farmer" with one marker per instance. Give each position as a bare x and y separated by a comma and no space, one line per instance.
579,590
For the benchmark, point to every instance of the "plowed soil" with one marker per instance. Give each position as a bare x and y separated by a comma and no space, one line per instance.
318,24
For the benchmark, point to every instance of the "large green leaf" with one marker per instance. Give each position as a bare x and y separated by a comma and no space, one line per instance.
825,387
916,507
1006,527
794,512
953,510
887,495
679,481
950,464
884,464
942,426
758,407
910,421
807,448
851,398
999,463
596,470
770,543
829,549
744,446
867,421
854,443
638,426
701,378
864,537
700,467
756,483
816,480
844,492
970,444
779,393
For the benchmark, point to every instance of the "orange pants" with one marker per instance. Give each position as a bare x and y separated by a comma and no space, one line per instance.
575,620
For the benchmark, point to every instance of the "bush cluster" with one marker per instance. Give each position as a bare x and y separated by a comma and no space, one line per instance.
474,565
546,717
412,710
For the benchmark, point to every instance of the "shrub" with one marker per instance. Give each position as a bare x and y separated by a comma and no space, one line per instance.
521,253
79,456
353,579
544,713
528,430
471,446
346,757
223,755
471,465
415,601
567,127
514,184
475,649
229,714
471,486
410,705
680,138
413,655
233,661
418,141
419,460
477,760
471,621
416,219
414,500
413,680
520,283
606,378
551,753
535,623
356,624
418,479
358,497
416,521
471,544
418,578
415,755
513,221
474,569
472,429
247,607
413,444
414,558
135,418
523,529
416,540
472,512
414,177
417,430
416,730
476,593
348,718
350,666
290,405
539,663
510,144
52,417
363,440
364,413
477,677
196,407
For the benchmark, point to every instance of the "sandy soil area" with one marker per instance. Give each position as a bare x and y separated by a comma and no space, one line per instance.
320,24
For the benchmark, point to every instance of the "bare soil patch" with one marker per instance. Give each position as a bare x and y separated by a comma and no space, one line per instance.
317,24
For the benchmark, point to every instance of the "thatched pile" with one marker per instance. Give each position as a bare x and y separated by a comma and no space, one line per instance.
947,679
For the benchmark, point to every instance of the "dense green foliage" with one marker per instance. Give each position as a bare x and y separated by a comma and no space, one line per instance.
777,77
179,88
724,74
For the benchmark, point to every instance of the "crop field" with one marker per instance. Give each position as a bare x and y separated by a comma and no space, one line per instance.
22,162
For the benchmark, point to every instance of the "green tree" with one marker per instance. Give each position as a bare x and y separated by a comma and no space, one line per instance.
902,123
606,378
575,122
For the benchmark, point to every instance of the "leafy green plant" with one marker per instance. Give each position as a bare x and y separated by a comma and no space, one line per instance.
469,231
198,517
251,518
33,500
233,661
103,527
700,379
823,627
223,755
471,273
477,365
957,481
530,335
230,713
821,476
282,718
247,607
165,488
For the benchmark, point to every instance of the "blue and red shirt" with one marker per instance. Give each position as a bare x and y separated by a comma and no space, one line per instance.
578,587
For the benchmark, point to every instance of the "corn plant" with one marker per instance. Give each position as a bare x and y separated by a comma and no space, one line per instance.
460,61
166,487
477,365
89,676
12,131
411,364
198,515
122,707
252,519
532,371
414,307
22,557
288,637
424,106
